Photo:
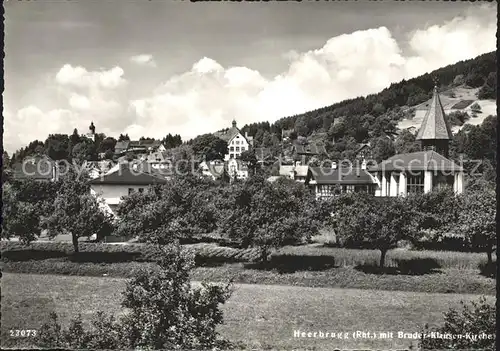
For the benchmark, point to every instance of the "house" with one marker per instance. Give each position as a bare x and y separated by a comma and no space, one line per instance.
420,172
123,181
213,169
97,168
40,168
139,146
237,169
237,143
296,172
328,182
308,150
364,152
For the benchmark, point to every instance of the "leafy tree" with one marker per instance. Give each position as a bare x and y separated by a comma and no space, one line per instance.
171,141
85,150
108,144
210,146
489,88
123,137
378,222
161,215
165,313
19,218
476,219
383,148
250,159
478,318
57,146
269,215
77,212
406,143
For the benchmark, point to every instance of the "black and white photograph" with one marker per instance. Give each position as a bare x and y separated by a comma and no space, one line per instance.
249,175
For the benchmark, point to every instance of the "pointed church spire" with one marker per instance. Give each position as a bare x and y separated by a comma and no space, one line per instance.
435,132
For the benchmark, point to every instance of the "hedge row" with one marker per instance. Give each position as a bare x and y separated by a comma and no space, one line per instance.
205,254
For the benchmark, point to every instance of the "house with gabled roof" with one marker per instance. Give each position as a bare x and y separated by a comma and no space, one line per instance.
237,143
420,172
124,180
331,181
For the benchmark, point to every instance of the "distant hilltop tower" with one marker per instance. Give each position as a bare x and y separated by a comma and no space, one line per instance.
91,135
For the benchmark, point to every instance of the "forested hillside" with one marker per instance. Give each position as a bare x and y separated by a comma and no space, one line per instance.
343,126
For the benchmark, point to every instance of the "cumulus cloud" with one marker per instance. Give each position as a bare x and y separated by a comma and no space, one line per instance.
144,60
209,95
79,77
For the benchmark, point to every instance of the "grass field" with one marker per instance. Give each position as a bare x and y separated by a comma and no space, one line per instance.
257,315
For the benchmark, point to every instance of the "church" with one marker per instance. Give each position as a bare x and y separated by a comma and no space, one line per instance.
420,172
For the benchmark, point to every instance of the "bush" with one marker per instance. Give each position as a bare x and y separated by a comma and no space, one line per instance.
163,312
478,319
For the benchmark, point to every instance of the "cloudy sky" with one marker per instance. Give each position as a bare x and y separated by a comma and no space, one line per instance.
159,67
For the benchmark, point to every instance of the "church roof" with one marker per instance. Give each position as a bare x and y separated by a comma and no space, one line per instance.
417,161
435,125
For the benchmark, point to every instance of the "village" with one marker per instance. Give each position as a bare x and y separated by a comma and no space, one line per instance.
263,177
417,172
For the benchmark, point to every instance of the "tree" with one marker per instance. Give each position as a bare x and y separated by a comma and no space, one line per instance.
476,219
377,222
85,150
123,137
250,159
165,313
489,88
171,141
161,215
19,218
57,146
210,146
108,144
77,212
383,148
478,318
406,143
269,215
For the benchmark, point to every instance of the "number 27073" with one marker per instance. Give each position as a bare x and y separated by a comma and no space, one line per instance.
23,333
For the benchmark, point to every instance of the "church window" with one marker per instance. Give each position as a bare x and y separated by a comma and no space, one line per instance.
415,184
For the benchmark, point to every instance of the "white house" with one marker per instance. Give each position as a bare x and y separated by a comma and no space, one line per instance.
213,169
123,181
237,143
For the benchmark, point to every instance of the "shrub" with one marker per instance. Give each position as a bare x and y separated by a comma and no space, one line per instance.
478,319
163,312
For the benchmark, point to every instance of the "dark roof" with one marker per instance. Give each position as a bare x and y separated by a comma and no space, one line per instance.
310,149
127,175
340,175
361,147
435,125
122,145
145,143
39,167
228,135
417,161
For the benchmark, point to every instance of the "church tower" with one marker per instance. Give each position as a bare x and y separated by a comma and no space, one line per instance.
435,133
91,135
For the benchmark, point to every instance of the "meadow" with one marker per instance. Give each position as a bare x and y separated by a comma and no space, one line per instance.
258,316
